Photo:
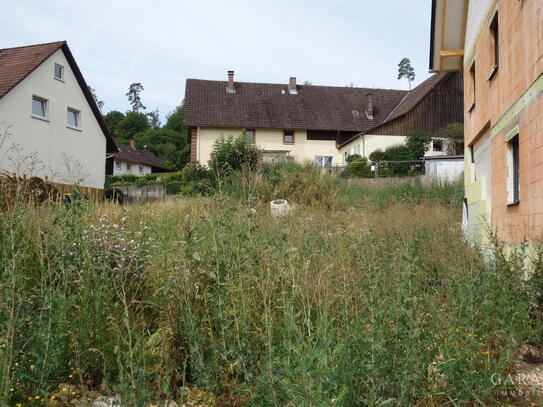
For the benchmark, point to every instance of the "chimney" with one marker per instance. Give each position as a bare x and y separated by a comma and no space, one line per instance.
369,110
230,85
292,89
133,143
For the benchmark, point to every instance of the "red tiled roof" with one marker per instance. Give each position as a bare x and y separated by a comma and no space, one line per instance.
137,155
265,105
17,63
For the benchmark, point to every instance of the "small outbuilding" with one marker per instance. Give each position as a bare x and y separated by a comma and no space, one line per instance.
444,167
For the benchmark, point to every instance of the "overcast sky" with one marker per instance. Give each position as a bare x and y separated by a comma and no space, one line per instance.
161,43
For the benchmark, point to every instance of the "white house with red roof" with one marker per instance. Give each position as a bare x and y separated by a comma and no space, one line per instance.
50,125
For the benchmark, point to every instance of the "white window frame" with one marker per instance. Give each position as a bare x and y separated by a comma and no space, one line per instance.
45,108
61,72
78,118
129,167
118,165
140,169
320,160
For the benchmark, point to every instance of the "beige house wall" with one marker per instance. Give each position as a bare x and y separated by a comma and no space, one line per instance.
368,143
48,148
270,139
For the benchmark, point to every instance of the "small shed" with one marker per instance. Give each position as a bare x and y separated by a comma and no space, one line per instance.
444,167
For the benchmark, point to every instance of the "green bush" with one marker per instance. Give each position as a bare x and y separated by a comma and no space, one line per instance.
173,188
357,167
397,153
231,154
353,157
377,155
141,181
418,143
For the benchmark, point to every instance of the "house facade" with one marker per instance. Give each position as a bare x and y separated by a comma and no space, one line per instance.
321,124
498,44
129,159
50,126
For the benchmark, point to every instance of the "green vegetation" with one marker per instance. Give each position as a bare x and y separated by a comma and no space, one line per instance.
453,136
405,70
366,295
233,154
193,179
168,142
418,143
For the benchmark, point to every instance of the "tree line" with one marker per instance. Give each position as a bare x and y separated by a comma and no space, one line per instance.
167,141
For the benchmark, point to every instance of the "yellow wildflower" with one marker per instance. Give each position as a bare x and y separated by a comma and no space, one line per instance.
73,393
71,376
18,405
11,389
64,389
37,397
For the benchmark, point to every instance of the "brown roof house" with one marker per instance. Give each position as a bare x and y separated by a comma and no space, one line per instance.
323,124
50,125
133,160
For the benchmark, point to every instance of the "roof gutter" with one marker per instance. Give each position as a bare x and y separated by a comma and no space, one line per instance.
432,35
111,147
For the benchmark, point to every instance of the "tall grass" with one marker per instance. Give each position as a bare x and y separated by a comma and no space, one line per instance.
333,305
379,195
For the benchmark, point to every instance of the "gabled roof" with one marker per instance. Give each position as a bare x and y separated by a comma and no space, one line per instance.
266,105
409,102
137,155
416,95
17,63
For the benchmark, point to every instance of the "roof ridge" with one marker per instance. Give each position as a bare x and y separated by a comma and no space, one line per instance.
34,45
397,106
438,77
312,86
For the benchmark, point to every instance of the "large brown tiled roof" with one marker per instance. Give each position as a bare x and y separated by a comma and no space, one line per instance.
17,63
137,155
265,105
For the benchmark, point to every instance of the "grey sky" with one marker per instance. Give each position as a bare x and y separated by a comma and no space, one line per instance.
160,43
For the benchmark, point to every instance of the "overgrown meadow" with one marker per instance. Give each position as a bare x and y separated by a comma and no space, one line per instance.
366,295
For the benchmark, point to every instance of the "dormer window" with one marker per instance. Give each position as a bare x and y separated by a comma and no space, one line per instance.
59,72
